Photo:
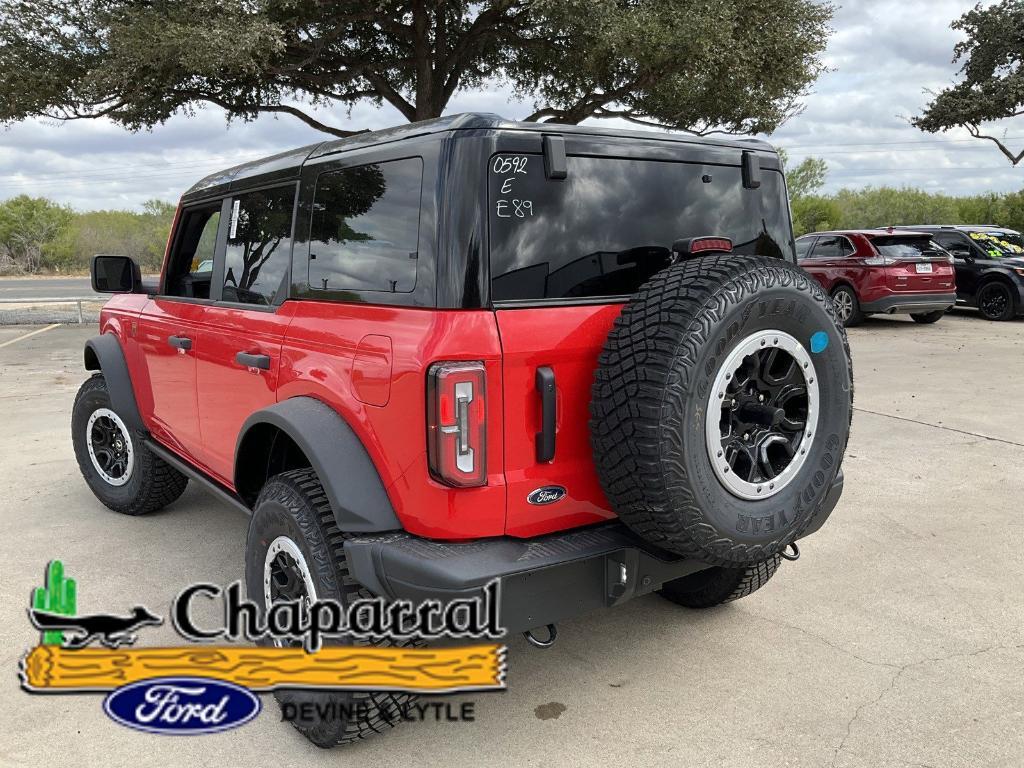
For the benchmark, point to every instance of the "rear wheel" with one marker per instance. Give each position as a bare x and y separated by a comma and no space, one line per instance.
294,551
123,473
995,301
847,306
926,318
715,586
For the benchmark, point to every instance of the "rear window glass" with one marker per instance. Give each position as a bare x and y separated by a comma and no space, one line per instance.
904,247
610,225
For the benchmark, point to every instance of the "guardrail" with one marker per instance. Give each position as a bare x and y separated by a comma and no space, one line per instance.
77,300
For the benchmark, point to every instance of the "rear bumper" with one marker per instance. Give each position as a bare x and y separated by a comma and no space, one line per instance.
542,580
906,303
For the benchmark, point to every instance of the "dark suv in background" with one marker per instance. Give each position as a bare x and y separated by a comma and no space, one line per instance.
989,263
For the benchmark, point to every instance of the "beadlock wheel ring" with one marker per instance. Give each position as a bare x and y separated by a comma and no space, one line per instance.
110,447
286,576
762,415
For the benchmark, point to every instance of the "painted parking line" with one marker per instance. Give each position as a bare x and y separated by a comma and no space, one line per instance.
30,334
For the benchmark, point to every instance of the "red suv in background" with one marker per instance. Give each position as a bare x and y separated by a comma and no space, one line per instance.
869,272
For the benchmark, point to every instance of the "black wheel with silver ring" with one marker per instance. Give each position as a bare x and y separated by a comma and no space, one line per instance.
110,447
115,462
766,394
721,408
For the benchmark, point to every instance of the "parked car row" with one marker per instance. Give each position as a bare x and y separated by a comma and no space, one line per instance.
919,270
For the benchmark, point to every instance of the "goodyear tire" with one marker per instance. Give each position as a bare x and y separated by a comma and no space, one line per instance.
721,408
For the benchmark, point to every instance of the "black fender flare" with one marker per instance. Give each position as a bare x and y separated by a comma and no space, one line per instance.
104,353
337,455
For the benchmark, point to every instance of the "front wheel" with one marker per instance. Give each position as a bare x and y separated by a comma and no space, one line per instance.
995,301
714,586
121,471
927,318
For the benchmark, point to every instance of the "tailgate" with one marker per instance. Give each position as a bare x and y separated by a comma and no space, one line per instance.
914,263
572,340
921,273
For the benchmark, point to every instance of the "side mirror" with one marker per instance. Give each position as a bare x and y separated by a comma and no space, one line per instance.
962,253
115,274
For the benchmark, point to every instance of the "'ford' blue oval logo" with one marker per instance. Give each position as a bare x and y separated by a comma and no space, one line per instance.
549,494
182,705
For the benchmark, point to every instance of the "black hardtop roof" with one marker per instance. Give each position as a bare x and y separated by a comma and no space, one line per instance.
286,165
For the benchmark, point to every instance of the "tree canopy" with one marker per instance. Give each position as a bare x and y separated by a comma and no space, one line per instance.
735,65
992,87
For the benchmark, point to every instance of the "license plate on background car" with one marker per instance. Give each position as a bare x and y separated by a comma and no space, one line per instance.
923,268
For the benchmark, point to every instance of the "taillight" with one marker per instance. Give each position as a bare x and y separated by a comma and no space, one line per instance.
457,423
879,261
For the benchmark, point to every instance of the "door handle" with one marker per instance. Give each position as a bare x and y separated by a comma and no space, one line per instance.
253,361
545,383
180,342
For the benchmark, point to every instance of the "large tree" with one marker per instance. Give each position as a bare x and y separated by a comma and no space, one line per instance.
992,87
700,65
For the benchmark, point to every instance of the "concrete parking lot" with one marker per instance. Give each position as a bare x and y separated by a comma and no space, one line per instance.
896,640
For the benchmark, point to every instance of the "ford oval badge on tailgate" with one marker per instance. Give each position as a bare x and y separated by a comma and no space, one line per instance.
549,494
182,705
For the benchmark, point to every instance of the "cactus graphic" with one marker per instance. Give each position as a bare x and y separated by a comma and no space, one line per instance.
58,596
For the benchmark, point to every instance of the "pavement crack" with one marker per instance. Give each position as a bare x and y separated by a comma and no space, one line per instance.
940,426
900,669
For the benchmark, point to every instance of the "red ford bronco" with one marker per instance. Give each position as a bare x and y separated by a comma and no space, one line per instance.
577,360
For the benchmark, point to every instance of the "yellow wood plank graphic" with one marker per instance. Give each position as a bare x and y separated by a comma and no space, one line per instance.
50,668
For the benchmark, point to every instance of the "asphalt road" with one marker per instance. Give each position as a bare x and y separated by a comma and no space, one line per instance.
896,640
44,287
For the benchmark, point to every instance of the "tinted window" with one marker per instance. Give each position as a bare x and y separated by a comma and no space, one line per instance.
365,228
996,245
903,247
610,225
259,246
832,248
951,241
803,245
190,270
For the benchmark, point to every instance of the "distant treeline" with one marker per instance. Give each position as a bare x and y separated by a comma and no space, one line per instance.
882,206
39,235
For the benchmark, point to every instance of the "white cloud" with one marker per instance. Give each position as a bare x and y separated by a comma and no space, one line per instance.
883,56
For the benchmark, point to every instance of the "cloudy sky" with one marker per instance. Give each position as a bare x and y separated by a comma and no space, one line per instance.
883,56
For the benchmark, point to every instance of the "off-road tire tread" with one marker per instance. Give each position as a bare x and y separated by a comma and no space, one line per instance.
637,386
303,487
724,586
161,483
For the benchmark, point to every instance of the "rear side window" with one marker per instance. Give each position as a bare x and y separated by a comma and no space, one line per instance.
832,248
803,245
259,246
609,226
365,228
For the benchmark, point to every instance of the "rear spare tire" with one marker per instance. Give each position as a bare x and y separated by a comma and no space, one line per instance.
721,408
